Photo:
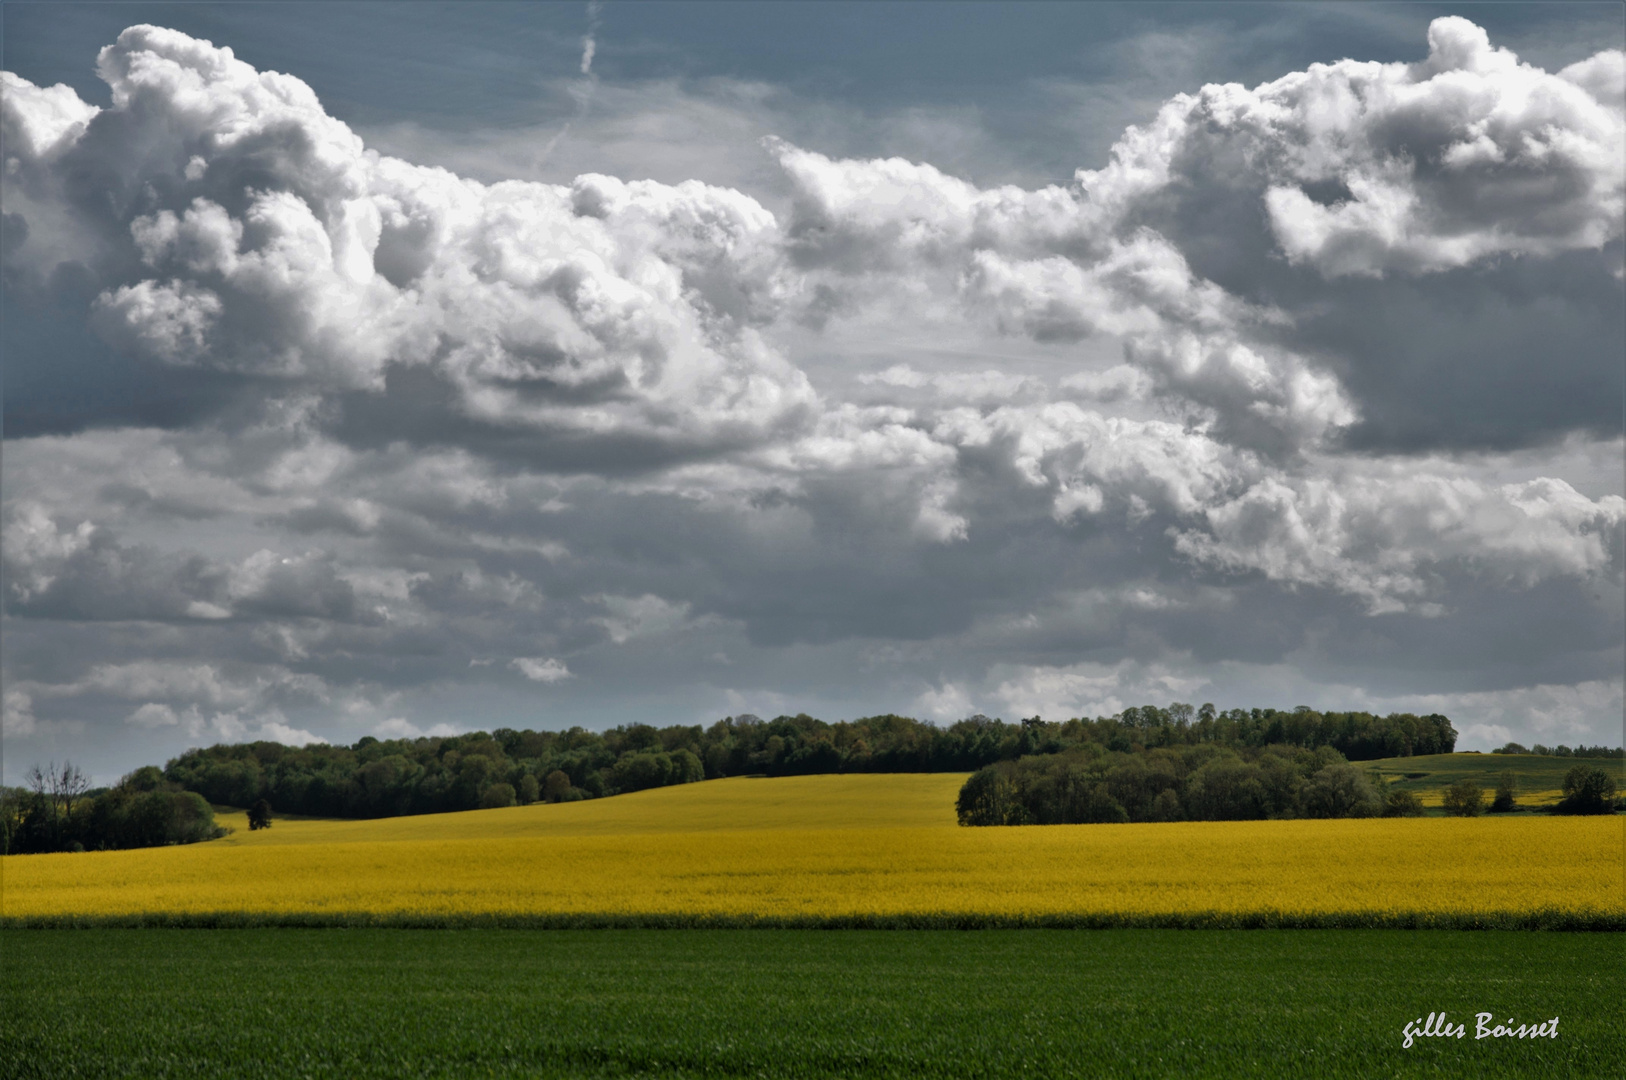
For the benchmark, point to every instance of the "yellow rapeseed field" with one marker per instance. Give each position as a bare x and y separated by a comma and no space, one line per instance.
841,847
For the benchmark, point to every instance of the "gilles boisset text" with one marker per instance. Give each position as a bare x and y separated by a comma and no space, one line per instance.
1439,1027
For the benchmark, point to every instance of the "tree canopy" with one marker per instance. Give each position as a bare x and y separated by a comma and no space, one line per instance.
381,778
1090,784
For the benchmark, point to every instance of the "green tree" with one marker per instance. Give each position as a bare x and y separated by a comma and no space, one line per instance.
1227,789
1340,790
1506,786
1103,809
146,778
990,797
686,767
1166,807
1464,799
191,819
556,786
14,803
1402,804
638,770
259,816
1587,790
529,789
497,796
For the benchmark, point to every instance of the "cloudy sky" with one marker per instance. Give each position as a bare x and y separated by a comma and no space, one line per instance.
376,368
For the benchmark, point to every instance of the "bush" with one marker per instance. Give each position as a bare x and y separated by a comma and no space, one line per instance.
1587,790
1402,804
1464,799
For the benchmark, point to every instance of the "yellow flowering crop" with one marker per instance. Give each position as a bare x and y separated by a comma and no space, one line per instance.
806,849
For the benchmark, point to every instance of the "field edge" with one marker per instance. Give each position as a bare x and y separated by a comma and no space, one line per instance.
1548,919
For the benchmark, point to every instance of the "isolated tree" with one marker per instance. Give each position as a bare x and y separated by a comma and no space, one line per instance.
1464,799
1506,786
259,816
1587,790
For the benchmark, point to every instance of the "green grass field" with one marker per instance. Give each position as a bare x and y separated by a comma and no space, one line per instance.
1540,777
1138,1003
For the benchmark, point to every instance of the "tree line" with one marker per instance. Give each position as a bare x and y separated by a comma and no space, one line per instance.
1201,782
1587,790
1562,750
56,810
1206,782
382,778
386,778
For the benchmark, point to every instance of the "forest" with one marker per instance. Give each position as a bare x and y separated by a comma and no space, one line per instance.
1201,782
1089,783
1143,764
385,778
377,778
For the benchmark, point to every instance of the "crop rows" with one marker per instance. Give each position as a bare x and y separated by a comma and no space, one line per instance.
384,1003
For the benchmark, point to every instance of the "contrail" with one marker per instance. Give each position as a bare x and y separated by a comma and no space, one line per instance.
589,44
585,97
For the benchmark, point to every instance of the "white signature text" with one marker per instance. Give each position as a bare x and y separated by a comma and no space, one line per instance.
1438,1026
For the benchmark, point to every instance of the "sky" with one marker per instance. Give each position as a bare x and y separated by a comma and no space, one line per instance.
404,369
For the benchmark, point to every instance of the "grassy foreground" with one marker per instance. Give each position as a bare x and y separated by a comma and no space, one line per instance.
1138,1003
845,851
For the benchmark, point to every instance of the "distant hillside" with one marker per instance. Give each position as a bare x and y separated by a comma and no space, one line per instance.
1539,778
837,851
374,778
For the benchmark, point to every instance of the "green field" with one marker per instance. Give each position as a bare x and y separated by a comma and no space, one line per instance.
1540,777
762,1003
